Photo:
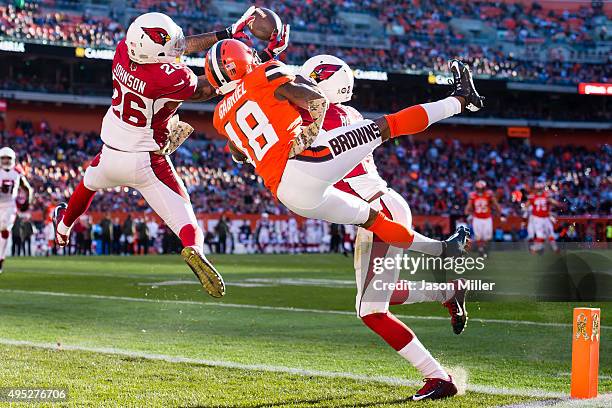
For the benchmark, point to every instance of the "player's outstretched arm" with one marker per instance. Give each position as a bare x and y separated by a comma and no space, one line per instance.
237,155
202,42
308,97
25,185
554,202
204,90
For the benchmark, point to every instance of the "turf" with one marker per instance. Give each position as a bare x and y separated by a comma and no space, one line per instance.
152,305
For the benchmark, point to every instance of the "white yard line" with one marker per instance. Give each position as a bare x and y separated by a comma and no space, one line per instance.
603,401
275,308
485,389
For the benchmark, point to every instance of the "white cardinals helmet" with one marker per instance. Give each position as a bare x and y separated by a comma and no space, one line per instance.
154,38
332,75
7,158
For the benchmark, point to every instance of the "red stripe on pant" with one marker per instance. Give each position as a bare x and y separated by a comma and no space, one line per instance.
390,328
163,171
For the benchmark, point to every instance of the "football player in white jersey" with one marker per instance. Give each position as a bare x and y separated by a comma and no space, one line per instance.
140,130
335,79
11,179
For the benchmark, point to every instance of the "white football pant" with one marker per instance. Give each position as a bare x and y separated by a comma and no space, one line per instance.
150,174
375,298
482,228
306,187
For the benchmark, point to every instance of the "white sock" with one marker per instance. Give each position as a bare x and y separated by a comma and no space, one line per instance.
428,295
3,247
63,229
426,245
422,360
447,107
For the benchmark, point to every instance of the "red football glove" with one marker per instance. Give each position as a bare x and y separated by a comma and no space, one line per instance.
236,30
277,44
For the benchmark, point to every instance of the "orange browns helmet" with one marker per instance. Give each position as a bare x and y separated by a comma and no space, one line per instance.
227,62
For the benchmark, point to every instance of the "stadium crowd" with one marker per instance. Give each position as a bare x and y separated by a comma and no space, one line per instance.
433,175
420,33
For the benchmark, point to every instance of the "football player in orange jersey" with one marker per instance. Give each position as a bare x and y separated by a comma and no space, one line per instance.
259,115
479,206
540,219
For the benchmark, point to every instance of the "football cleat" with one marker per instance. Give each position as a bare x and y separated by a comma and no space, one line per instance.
463,85
206,273
457,244
456,308
58,214
436,388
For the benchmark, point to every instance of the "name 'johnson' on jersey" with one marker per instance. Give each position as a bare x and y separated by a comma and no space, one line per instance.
258,123
137,120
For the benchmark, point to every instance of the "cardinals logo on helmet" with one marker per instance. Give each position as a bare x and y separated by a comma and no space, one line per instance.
324,71
157,35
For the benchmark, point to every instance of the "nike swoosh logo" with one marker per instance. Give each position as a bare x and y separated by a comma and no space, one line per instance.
460,312
180,83
420,397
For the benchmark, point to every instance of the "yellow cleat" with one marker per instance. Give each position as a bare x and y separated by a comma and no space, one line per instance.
206,273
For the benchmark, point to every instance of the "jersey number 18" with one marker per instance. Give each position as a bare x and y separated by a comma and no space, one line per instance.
256,128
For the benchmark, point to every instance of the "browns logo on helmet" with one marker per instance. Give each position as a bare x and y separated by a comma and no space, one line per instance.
157,34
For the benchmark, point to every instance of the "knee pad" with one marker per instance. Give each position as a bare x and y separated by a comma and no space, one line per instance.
5,234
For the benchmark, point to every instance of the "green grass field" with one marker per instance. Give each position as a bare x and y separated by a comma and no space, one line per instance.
139,331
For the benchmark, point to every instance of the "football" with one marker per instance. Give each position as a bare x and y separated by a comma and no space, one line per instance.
264,23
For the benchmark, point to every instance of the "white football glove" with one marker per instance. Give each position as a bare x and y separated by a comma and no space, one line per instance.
236,30
179,132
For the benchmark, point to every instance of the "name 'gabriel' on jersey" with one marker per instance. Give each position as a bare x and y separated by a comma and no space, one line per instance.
137,120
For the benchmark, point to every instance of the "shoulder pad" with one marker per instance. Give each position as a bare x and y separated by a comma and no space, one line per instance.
275,69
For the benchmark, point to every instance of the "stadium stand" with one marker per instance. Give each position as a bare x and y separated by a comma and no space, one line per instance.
502,39
546,47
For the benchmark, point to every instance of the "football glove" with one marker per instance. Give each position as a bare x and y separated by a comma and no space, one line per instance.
236,30
179,132
277,44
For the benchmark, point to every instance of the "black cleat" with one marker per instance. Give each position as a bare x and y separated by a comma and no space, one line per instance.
457,244
58,214
435,389
456,307
463,85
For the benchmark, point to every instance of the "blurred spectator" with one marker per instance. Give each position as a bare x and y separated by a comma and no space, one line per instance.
106,234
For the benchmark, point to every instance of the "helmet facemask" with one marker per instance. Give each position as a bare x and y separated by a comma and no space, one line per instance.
7,162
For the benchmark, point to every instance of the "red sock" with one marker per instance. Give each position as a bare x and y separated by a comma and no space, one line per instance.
191,235
78,204
392,330
408,121
392,232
